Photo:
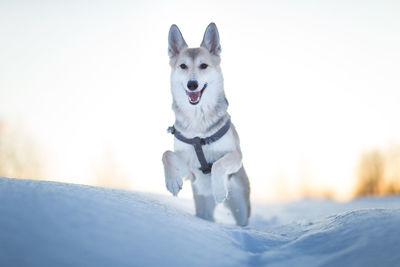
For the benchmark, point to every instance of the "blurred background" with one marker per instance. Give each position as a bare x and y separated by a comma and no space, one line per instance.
313,86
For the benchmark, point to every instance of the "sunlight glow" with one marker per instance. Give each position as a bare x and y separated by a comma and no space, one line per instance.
311,86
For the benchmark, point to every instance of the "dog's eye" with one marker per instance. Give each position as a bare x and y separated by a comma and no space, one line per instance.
203,66
183,66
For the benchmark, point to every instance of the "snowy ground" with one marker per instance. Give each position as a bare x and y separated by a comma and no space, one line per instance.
56,224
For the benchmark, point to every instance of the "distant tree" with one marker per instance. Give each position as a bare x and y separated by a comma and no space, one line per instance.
370,174
392,170
379,172
19,156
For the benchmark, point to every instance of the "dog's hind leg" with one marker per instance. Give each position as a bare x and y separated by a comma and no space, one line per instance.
175,169
204,205
238,200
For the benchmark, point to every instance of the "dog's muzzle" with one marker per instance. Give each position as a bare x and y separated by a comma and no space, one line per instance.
194,97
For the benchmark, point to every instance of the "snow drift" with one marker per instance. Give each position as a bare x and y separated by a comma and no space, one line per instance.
56,224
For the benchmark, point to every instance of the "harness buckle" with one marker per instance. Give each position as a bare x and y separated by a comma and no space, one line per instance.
199,141
171,130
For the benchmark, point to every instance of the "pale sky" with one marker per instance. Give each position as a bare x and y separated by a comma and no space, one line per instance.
311,85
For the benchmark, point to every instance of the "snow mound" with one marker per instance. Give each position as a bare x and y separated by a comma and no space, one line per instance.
55,224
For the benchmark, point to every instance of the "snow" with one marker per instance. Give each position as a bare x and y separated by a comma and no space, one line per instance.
55,224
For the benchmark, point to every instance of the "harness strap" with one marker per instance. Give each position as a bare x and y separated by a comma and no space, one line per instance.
198,143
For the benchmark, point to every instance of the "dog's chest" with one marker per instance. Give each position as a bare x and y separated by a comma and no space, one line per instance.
212,152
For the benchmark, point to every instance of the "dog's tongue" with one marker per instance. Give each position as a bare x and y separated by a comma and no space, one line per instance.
194,96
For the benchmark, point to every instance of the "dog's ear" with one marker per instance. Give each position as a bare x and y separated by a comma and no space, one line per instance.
211,39
175,41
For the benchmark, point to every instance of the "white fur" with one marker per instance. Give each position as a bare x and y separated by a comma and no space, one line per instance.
228,181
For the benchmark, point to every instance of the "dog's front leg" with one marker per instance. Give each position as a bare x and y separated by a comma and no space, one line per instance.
228,164
175,169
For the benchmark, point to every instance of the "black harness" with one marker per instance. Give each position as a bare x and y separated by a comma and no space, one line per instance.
198,143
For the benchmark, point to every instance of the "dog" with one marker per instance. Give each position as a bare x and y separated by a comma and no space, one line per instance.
206,144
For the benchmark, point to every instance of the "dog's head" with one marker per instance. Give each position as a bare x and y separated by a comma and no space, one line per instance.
196,77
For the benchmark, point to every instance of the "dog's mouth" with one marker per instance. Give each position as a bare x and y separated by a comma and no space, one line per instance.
194,97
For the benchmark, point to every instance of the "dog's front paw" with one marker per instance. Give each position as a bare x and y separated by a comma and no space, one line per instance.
219,189
174,185
220,193
174,170
219,183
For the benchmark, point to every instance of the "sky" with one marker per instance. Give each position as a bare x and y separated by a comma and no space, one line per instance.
311,86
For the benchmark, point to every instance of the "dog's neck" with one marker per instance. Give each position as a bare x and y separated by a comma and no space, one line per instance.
200,120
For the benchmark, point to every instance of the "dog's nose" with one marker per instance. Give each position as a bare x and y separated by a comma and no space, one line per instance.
192,85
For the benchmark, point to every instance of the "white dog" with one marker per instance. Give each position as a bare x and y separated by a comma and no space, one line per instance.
206,147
